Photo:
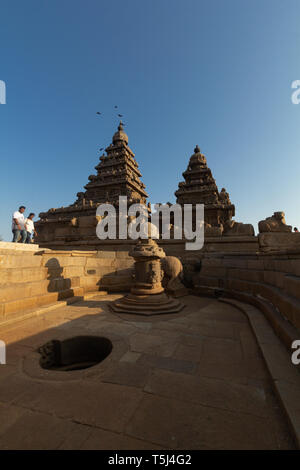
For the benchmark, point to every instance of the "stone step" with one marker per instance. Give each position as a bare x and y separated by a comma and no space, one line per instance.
116,282
24,315
20,260
27,247
288,305
24,290
199,280
16,308
14,275
291,285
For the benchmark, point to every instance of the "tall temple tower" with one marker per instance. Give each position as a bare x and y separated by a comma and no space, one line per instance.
117,175
200,187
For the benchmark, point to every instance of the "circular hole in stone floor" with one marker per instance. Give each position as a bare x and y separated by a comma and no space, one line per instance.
79,352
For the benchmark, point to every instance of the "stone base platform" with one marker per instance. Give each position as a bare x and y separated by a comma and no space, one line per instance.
153,304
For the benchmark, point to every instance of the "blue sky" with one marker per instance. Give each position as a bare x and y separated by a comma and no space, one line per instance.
214,73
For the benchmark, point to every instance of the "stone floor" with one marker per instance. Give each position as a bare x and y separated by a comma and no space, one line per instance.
192,380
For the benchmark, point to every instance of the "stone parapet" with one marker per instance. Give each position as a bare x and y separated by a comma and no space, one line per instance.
274,277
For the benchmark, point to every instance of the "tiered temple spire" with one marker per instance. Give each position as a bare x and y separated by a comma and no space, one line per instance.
117,174
200,187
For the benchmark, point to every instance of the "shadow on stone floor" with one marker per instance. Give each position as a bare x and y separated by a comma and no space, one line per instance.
171,376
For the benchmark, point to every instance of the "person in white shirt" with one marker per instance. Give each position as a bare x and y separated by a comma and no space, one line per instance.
29,227
18,225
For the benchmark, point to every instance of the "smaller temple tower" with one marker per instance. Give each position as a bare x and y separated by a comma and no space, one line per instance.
199,187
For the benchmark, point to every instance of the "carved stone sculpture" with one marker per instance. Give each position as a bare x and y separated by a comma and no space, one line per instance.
233,229
199,187
173,273
276,223
147,297
224,196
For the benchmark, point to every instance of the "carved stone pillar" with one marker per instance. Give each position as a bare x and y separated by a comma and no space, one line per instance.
147,297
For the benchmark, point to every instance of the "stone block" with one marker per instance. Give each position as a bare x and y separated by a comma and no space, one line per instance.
199,280
90,283
294,267
123,254
291,285
9,275
20,260
269,263
71,271
255,264
283,265
213,271
100,262
45,299
246,274
269,241
216,262
234,262
19,306
88,221
106,254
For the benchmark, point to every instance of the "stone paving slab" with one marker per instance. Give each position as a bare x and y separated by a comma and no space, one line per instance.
192,380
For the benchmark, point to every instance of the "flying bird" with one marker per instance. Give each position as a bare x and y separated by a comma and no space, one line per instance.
98,112
120,115
116,106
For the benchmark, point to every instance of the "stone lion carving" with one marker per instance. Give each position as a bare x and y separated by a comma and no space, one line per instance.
224,196
233,228
173,273
276,223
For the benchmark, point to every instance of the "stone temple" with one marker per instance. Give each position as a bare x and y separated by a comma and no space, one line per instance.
125,344
199,187
117,175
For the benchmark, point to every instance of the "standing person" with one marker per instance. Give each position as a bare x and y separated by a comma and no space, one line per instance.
29,226
18,225
296,230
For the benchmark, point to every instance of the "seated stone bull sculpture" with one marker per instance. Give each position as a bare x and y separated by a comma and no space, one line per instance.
173,273
233,228
276,223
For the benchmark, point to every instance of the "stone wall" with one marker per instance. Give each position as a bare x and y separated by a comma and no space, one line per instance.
271,276
31,278
264,267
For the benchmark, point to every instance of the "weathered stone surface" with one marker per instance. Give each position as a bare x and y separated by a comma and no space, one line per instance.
200,187
276,223
277,241
173,274
147,295
157,382
117,174
233,228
